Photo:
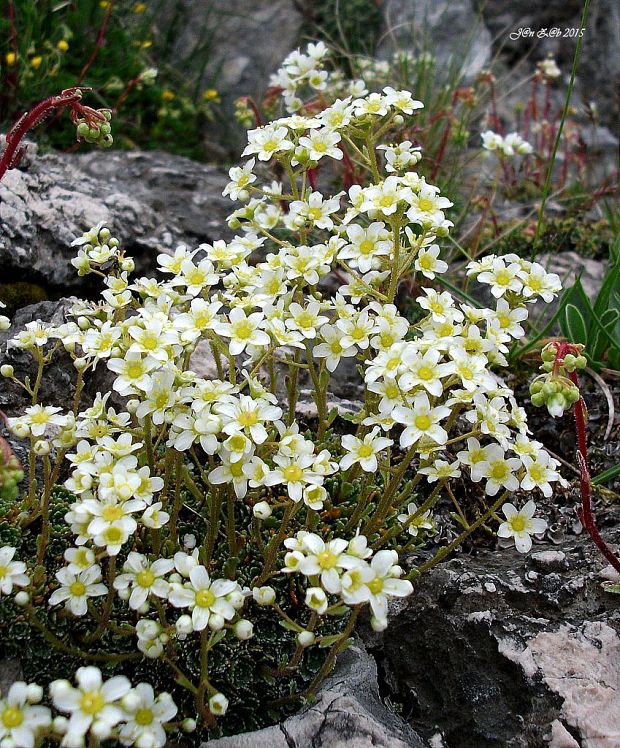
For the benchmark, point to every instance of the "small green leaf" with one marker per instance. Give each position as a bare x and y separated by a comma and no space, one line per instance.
606,475
611,587
575,325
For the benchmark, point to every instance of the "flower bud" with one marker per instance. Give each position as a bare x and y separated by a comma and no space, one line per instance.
59,725
216,622
80,363
184,625
218,704
316,599
243,629
41,447
262,510
34,693
305,638
7,370
188,725
5,323
264,595
21,430
22,599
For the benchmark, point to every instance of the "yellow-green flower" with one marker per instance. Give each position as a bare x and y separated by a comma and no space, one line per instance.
36,62
10,58
62,45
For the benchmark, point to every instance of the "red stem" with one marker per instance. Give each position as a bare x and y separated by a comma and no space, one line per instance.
98,43
586,515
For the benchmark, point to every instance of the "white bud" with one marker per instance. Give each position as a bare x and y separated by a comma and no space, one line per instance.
7,370
144,608
130,701
243,629
21,430
34,693
305,638
59,725
22,599
264,595
5,323
188,725
184,625
189,541
124,594
83,323
80,363
41,447
262,510
132,405
100,729
316,599
218,704
216,622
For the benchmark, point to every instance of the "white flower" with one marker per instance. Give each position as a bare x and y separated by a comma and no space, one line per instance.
425,371
206,599
363,451
321,143
145,717
21,723
539,471
520,525
241,177
77,588
12,573
366,245
421,421
93,703
243,330
267,141
423,521
428,262
144,578
499,470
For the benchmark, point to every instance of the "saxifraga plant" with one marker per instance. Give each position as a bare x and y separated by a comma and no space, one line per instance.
209,540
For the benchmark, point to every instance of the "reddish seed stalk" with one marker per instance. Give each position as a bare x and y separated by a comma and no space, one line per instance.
586,514
69,98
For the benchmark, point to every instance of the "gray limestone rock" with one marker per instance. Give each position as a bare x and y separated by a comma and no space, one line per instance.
150,200
348,711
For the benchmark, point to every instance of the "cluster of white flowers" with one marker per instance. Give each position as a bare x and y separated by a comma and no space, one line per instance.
98,708
506,145
232,438
346,569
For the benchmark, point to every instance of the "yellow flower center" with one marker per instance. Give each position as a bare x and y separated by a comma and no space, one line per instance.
387,201
3,571
205,598
243,329
112,512
135,371
39,417
236,469
248,418
499,471
12,717
425,204
365,450
270,145
143,717
425,262
293,473
503,278
145,578
422,422
92,702
366,247
425,373
517,523
375,585
77,589
320,147
327,560
113,535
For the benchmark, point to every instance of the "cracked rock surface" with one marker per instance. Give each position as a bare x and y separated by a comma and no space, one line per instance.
348,711
501,650
151,200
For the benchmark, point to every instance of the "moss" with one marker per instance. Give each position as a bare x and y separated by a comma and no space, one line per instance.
19,294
